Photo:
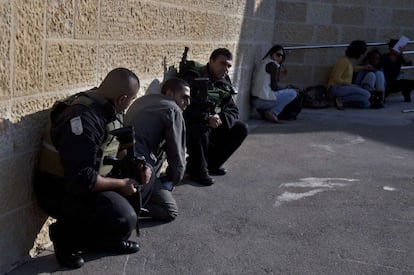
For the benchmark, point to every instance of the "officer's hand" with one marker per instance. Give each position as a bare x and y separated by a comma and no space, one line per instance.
128,187
145,174
214,121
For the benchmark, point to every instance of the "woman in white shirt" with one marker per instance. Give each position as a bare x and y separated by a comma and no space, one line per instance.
268,97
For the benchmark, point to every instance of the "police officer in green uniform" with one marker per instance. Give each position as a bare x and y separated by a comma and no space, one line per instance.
75,186
214,131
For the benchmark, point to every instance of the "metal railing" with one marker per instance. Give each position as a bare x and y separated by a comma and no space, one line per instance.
289,48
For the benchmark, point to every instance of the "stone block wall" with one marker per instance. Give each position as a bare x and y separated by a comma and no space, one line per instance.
327,22
53,48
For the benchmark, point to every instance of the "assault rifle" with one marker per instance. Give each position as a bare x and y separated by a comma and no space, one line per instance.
128,166
189,70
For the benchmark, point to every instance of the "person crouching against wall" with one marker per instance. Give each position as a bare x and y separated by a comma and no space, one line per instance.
268,97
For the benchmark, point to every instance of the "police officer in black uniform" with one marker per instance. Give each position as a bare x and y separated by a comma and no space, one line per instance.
75,186
214,131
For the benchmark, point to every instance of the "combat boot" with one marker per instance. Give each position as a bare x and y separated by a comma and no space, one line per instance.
64,253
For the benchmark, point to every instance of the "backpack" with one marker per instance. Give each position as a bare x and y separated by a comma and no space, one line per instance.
315,97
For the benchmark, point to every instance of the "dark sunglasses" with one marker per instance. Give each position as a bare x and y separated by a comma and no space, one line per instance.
280,55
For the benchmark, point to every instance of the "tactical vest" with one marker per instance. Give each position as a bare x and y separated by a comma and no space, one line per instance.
49,160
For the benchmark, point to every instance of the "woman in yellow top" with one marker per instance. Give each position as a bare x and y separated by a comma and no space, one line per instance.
340,81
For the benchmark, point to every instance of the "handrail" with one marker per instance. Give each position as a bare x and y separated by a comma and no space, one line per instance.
336,46
288,48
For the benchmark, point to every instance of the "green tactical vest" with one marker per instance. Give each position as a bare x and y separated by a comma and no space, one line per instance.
49,160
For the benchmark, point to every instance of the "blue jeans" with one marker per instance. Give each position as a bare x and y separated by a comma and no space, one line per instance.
370,80
283,98
352,95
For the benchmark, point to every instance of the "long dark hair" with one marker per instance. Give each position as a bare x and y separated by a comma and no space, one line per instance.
274,49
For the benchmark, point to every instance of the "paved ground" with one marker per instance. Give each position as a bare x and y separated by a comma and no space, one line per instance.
330,193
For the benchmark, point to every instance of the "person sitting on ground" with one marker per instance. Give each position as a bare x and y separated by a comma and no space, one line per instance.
340,81
391,63
160,135
94,210
214,131
268,97
371,77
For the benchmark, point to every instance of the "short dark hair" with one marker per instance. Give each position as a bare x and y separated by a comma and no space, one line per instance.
221,51
119,81
174,84
356,49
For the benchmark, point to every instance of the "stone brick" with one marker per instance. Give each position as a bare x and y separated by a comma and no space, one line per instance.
70,65
173,22
320,14
232,28
296,56
343,14
401,3
299,74
266,10
195,27
129,55
86,19
114,19
28,42
294,33
321,74
16,187
186,3
377,16
201,52
134,19
247,29
358,33
5,34
59,18
403,18
215,26
28,115
142,20
326,34
291,12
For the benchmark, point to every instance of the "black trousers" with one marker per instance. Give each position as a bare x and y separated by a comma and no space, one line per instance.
87,221
210,148
403,85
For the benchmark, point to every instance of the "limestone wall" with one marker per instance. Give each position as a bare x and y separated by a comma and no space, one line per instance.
52,48
336,22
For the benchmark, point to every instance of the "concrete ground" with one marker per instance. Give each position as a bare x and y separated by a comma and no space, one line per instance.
330,193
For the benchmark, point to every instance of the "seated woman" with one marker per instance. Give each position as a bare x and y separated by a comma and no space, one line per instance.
340,81
371,77
267,96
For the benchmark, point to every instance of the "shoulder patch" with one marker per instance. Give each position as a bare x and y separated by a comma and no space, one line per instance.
76,125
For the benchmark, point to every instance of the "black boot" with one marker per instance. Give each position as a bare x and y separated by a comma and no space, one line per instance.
65,254
407,96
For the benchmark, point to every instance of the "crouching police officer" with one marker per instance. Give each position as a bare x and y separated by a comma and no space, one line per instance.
74,185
